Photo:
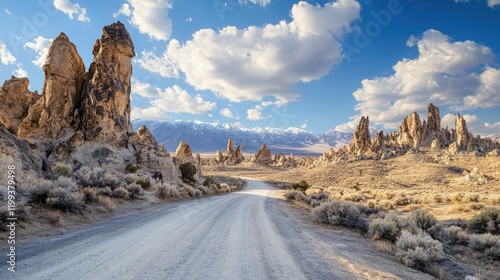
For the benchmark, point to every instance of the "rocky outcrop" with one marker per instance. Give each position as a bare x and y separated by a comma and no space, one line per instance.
231,157
15,100
184,154
361,141
464,138
263,155
57,110
14,151
410,131
106,112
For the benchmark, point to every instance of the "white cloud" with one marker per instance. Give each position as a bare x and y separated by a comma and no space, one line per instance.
41,46
170,100
226,112
251,63
20,72
149,16
304,126
493,3
262,3
7,11
189,19
71,8
124,10
444,73
6,56
474,125
255,114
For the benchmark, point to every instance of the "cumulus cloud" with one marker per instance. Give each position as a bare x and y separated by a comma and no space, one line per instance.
251,63
189,19
170,100
226,112
262,3
474,125
493,3
6,56
255,114
149,16
71,8
446,73
41,46
20,72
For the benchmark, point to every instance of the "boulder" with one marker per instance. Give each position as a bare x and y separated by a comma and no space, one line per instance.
106,116
57,111
15,100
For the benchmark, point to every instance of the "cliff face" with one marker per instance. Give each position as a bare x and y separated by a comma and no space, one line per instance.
15,101
106,105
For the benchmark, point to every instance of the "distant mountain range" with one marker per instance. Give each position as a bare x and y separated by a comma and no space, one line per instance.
210,137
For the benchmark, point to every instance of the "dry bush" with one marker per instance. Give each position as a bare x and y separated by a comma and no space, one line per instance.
96,177
298,196
372,203
205,190
386,228
121,192
385,246
89,195
104,191
386,204
423,219
106,203
457,197
165,191
340,213
134,191
62,169
454,235
487,243
487,220
416,250
61,194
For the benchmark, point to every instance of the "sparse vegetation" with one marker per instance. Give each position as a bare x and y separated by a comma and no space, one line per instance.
135,190
487,243
301,186
121,192
61,194
131,168
416,250
487,220
386,228
340,213
144,183
165,191
188,171
62,169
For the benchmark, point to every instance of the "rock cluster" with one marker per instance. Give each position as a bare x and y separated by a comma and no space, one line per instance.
412,134
263,155
231,157
15,100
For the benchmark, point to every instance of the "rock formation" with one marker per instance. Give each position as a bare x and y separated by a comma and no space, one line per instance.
184,154
263,155
410,131
106,112
15,100
57,109
464,138
231,157
361,141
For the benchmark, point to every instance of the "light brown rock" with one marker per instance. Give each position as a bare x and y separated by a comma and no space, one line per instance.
107,102
56,112
15,100
410,131
263,155
361,141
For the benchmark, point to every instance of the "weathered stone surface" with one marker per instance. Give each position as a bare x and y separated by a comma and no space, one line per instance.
14,151
107,102
432,130
464,138
15,100
231,157
219,157
307,161
184,154
379,142
361,141
410,131
145,136
56,111
263,155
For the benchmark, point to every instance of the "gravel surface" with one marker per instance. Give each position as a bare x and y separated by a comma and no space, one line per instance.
250,234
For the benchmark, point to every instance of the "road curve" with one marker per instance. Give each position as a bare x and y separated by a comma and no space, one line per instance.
249,234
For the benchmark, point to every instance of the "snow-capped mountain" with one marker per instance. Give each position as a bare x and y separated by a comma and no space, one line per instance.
209,137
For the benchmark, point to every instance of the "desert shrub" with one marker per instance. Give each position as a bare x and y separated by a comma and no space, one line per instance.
340,213
61,194
487,220
384,229
423,219
291,195
121,192
104,191
372,203
106,203
301,186
386,204
165,191
96,177
131,168
487,243
321,196
62,169
188,171
144,183
204,190
455,235
134,191
209,181
415,250
89,195
298,196
457,197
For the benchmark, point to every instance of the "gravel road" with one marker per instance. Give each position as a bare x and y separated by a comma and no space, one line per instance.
250,234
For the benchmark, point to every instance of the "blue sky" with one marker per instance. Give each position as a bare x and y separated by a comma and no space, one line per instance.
318,65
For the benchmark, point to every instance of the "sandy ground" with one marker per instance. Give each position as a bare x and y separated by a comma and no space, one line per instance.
250,234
